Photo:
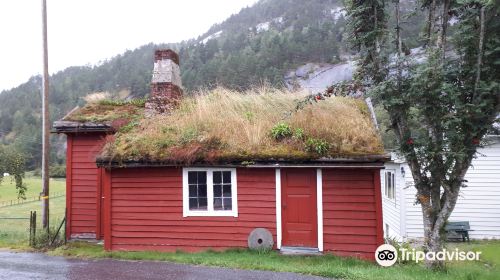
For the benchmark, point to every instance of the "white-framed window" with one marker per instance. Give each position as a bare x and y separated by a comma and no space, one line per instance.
390,183
209,192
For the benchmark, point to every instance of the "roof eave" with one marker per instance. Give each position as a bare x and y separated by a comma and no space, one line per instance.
368,161
80,127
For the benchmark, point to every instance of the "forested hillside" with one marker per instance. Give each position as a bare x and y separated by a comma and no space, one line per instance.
259,44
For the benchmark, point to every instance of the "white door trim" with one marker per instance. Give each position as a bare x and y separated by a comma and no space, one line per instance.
319,204
278,208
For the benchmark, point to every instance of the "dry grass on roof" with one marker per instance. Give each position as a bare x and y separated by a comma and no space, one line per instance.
221,125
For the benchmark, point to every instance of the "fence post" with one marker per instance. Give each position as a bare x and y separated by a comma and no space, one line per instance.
31,225
65,224
34,228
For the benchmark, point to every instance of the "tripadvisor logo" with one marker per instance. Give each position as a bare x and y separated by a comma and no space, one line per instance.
387,255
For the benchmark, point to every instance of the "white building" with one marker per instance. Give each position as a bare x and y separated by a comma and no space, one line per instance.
479,203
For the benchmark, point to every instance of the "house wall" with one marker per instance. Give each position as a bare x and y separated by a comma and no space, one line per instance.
146,212
82,184
352,212
477,203
392,208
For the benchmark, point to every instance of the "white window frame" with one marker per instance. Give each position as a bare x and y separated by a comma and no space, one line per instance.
210,212
386,188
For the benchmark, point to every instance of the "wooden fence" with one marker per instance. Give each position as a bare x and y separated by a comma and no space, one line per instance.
13,202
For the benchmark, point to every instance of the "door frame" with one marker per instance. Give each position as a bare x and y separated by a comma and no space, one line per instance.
319,208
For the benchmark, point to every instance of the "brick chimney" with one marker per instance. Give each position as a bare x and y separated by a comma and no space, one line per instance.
166,85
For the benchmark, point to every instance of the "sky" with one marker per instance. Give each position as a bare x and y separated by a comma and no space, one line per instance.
84,32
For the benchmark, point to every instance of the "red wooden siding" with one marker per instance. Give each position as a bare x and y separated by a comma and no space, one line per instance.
351,212
146,211
82,183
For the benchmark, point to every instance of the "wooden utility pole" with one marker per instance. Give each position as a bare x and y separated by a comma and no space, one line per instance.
45,122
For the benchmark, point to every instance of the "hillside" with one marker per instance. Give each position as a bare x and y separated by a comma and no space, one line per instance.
260,44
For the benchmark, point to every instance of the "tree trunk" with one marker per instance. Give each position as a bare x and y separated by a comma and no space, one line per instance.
435,222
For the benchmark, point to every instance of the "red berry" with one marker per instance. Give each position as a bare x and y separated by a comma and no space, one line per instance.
409,141
475,141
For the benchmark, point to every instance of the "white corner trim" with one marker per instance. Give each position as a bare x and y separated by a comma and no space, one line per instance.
278,208
210,195
319,203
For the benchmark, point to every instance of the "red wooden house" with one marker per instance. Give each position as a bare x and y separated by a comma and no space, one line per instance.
167,200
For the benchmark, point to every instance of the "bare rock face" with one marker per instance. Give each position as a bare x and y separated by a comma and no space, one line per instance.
166,84
317,77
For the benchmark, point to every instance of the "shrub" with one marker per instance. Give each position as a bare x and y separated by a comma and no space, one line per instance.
298,134
319,146
58,171
281,131
43,238
398,245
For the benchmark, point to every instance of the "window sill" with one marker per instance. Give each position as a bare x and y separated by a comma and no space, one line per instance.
210,214
392,200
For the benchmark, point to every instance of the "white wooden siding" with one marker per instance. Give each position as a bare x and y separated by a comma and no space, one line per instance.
391,208
479,203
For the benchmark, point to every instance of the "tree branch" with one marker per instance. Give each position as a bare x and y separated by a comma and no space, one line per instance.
480,50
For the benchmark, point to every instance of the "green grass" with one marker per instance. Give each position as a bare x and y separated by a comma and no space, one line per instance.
8,188
328,265
490,250
14,232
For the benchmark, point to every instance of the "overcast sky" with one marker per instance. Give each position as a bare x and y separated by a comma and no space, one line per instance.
87,31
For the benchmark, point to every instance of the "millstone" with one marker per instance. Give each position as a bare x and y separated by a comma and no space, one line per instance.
260,238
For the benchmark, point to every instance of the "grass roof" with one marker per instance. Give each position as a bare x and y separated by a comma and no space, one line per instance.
107,111
262,124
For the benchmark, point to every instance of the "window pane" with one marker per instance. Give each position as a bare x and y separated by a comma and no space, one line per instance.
192,177
217,190
202,202
193,191
217,177
226,176
193,203
227,191
218,204
386,184
393,187
202,177
227,204
202,190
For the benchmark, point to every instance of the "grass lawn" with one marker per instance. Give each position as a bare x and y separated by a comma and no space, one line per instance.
14,220
8,188
328,265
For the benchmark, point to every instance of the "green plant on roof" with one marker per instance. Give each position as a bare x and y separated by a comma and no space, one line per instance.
108,110
140,102
249,116
318,146
281,131
188,135
129,126
298,134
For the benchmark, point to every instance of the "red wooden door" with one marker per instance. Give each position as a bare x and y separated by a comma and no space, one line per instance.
299,210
